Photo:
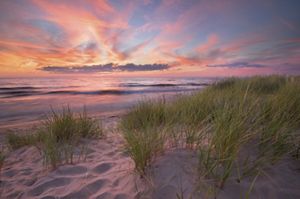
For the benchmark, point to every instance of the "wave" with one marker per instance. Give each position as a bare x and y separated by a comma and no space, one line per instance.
21,88
124,89
18,88
112,92
17,93
13,94
162,85
104,92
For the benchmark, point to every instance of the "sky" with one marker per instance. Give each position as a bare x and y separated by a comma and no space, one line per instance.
150,37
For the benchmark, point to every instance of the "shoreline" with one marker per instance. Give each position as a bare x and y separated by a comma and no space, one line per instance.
34,123
29,127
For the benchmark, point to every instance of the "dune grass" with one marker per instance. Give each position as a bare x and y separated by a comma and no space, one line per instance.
15,140
59,136
2,158
143,133
221,122
62,133
143,146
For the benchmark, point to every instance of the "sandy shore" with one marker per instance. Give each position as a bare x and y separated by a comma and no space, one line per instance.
108,173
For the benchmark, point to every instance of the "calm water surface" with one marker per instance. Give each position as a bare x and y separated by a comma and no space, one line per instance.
24,100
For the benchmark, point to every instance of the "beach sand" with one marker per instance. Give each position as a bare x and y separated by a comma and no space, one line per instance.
108,173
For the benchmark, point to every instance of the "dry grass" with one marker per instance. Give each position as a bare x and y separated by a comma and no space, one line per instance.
220,122
58,136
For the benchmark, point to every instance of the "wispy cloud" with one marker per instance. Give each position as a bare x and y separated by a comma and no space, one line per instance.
187,35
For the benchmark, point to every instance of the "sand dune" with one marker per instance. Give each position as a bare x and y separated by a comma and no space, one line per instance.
108,173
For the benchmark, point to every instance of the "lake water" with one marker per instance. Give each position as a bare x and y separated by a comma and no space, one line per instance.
28,99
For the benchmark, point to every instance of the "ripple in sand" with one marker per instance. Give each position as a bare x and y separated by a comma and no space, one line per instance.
71,170
28,182
87,190
58,182
9,173
16,194
102,168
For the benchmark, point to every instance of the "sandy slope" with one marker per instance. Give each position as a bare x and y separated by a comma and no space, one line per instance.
174,174
107,173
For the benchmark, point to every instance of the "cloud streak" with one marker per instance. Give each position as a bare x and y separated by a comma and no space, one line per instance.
102,68
187,35
239,65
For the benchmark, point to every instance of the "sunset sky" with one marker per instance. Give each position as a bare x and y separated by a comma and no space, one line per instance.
150,37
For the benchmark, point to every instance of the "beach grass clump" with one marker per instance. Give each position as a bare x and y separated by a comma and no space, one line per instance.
62,132
232,125
68,126
89,127
238,125
16,140
2,158
190,110
59,136
268,85
143,146
56,152
261,112
144,115
143,133
62,126
280,134
225,83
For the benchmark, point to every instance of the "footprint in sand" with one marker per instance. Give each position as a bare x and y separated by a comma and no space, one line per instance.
9,173
58,182
71,170
102,168
87,190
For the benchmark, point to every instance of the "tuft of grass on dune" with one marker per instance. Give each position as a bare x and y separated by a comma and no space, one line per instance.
221,122
62,126
59,136
281,122
62,133
143,146
16,140
89,127
2,158
145,114
143,133
261,112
